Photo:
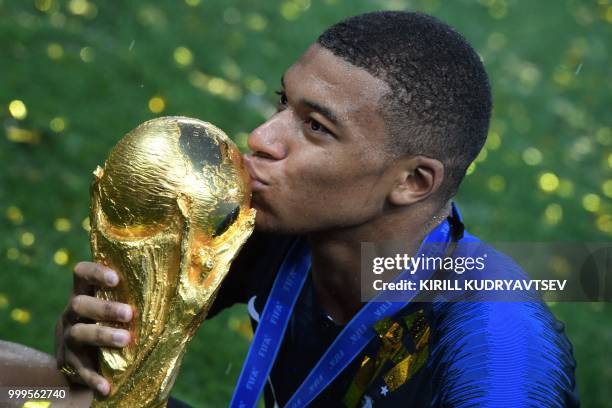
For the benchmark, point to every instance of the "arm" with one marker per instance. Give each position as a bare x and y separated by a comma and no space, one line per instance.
24,367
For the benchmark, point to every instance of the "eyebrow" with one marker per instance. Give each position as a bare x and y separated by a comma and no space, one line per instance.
317,107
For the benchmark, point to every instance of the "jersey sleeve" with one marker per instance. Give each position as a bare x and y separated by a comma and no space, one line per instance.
501,354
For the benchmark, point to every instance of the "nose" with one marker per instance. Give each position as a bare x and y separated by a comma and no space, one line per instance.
266,141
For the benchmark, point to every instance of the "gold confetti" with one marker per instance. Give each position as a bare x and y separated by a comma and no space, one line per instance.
591,202
217,86
57,124
493,140
20,315
27,239
255,85
553,213
62,224
19,135
3,301
608,15
17,109
497,183
85,224
604,136
81,8
43,5
498,9
241,326
560,266
183,56
157,104
289,10
532,156
57,19
231,69
87,54
563,76
604,223
55,51
256,22
292,9
482,156
606,187
549,182
61,257
12,253
14,214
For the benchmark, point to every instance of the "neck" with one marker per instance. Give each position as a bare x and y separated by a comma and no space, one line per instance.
336,255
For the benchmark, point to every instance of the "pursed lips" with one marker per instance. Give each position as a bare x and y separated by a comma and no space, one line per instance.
257,183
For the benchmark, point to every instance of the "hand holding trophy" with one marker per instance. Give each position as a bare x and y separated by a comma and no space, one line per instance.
169,212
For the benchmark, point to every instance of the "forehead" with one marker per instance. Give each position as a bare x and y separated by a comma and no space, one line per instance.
351,92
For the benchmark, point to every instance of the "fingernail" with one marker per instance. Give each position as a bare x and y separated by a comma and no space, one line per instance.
103,388
125,314
111,278
121,338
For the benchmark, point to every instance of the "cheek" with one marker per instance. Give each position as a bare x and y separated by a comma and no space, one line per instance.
332,191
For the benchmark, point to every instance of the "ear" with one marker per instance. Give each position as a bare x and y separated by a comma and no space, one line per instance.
418,178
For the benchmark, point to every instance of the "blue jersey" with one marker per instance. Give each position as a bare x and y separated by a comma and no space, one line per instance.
465,354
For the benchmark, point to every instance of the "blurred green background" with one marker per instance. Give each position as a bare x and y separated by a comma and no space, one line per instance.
77,75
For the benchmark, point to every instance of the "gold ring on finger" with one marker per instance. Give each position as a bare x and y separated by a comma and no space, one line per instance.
68,370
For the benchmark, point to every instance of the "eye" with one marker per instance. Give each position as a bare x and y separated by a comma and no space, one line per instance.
282,99
316,126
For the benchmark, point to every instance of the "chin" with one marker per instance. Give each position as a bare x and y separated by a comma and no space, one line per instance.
266,223
263,222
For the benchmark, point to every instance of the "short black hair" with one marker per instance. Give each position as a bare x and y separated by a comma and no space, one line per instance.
439,104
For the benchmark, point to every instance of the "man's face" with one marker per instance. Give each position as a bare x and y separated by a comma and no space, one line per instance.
318,163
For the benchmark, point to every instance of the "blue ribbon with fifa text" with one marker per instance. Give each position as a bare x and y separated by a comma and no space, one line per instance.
350,342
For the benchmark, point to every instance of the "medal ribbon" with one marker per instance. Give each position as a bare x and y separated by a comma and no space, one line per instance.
349,343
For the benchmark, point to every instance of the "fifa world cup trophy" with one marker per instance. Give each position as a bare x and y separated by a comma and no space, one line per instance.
169,212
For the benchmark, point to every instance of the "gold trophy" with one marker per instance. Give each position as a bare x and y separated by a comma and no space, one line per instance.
169,212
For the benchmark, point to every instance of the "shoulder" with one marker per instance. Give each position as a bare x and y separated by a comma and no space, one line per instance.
489,353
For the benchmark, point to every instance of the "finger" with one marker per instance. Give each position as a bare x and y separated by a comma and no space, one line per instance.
88,274
86,374
89,307
95,335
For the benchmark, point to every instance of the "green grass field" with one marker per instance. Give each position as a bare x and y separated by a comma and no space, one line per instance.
77,75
